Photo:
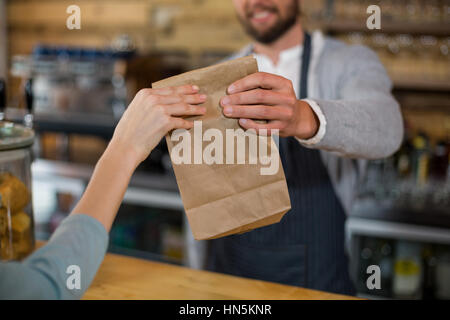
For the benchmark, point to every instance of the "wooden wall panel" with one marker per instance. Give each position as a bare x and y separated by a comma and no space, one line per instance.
190,25
21,42
194,27
3,41
50,13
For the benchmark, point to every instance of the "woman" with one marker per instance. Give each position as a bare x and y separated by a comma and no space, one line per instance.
82,238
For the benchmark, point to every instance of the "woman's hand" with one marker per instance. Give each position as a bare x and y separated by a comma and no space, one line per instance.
151,115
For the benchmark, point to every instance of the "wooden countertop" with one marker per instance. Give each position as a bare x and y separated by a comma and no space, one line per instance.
126,278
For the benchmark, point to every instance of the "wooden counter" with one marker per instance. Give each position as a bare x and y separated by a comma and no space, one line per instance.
126,278
122,277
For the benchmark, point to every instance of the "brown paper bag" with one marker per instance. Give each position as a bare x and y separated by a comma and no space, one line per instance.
224,199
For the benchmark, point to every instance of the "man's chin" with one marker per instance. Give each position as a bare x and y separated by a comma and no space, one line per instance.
263,28
269,33
262,35
266,37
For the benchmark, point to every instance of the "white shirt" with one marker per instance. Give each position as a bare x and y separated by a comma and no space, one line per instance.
289,67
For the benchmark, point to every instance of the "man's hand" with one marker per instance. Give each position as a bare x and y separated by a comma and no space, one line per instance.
265,96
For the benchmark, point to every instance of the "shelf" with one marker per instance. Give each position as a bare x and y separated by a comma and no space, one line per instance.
69,122
347,25
421,85
439,218
163,186
395,230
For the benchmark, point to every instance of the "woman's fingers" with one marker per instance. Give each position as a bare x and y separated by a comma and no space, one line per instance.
194,98
184,109
180,90
174,99
170,95
180,123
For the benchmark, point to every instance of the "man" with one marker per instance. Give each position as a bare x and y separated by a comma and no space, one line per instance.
331,104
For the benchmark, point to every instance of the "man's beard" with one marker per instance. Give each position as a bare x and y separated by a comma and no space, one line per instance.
277,30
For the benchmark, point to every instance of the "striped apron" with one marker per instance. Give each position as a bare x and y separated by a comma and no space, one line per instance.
306,248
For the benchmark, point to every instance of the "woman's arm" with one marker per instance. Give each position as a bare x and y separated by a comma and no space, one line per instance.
79,244
148,118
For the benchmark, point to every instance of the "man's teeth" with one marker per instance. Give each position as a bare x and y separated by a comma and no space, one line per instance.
261,15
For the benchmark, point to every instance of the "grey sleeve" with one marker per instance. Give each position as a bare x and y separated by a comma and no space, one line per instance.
365,121
79,241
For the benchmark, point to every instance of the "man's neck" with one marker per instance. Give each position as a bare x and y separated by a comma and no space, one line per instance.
293,37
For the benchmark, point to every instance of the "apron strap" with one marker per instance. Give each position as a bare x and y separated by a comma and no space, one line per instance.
306,58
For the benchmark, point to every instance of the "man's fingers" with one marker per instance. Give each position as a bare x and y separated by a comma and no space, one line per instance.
184,109
258,80
273,127
258,112
258,96
180,90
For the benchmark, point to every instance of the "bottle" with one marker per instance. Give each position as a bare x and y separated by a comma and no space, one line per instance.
407,270
403,160
377,252
386,263
2,99
439,162
429,274
45,76
420,159
442,276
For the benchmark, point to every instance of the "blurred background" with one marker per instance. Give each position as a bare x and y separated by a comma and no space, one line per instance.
84,79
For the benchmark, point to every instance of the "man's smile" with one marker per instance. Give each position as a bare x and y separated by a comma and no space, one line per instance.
262,17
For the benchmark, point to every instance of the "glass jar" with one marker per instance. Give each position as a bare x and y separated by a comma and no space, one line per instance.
16,213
